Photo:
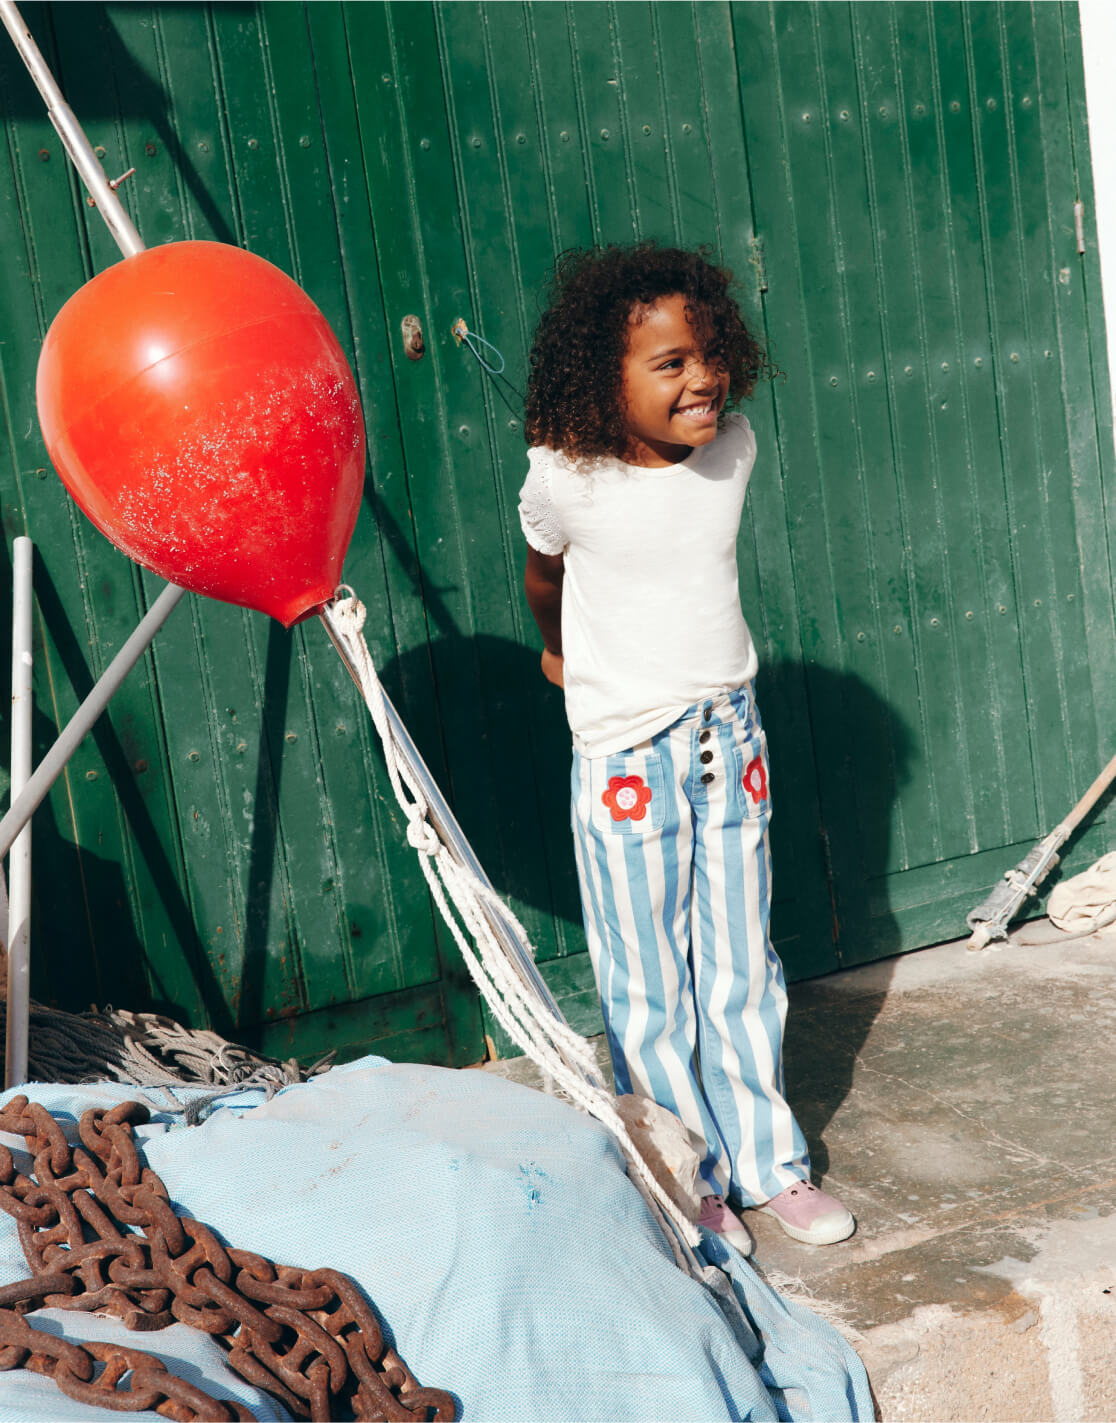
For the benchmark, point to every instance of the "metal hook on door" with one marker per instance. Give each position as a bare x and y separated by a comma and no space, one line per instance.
461,333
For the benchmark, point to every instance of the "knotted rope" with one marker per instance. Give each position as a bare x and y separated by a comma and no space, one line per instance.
149,1050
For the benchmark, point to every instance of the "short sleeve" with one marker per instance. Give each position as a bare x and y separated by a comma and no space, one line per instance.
537,515
738,430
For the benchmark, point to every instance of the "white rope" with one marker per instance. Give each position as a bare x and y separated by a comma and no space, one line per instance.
547,1039
146,1050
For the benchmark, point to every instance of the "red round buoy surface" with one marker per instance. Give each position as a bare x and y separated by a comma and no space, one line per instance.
200,410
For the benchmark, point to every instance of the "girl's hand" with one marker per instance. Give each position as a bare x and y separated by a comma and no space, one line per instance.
553,667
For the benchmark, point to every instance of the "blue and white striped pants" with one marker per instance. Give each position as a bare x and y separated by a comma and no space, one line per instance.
675,873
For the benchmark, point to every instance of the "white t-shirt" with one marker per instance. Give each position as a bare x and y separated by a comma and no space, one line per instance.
651,619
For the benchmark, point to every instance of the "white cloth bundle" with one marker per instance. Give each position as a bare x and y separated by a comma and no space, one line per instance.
1088,900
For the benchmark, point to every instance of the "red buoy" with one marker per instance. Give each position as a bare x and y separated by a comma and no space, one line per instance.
200,410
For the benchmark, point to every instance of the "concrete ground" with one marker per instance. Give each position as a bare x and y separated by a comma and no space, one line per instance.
962,1105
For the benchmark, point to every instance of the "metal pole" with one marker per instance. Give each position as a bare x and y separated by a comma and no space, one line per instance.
19,866
70,132
445,823
49,768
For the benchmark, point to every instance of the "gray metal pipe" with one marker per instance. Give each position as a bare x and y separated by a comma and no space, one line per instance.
19,863
70,132
50,767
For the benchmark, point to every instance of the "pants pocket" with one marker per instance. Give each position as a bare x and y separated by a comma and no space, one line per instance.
627,793
753,786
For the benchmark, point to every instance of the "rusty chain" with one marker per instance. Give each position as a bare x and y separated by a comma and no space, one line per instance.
99,1233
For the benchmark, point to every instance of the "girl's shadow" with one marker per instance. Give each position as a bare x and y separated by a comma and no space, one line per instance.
847,767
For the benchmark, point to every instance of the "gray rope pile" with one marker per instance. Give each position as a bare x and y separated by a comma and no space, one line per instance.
146,1050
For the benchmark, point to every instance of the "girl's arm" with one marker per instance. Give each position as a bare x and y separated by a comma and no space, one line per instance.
542,582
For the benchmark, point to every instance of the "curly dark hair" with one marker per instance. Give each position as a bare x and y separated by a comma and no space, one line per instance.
574,397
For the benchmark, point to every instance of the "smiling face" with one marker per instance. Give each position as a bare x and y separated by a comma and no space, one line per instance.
672,395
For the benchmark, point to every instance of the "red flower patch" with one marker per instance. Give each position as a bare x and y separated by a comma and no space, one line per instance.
755,780
627,797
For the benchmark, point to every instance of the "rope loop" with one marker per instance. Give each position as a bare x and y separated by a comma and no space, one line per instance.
348,608
462,332
421,835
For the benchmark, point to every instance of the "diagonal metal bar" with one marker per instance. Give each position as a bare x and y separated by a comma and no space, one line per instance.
73,138
52,764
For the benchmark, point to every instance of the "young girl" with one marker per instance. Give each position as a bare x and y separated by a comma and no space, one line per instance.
631,510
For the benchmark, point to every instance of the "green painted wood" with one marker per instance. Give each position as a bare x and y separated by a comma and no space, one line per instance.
379,910
925,555
927,192
247,731
1090,430
502,137
943,406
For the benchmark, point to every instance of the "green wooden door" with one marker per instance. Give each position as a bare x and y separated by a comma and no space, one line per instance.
924,556
945,437
225,846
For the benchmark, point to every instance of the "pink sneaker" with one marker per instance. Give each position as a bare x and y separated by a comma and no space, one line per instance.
716,1216
809,1215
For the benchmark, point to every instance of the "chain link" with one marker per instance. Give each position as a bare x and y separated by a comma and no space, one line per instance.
99,1233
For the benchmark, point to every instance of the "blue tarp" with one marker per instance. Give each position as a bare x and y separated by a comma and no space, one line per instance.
498,1236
